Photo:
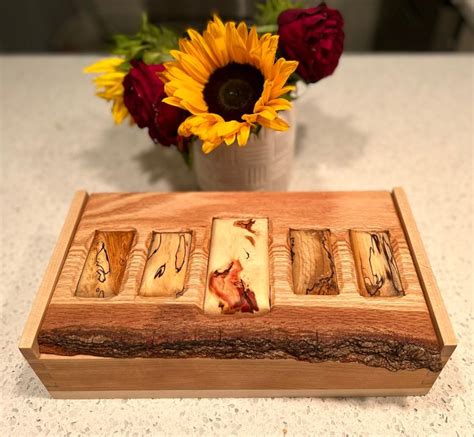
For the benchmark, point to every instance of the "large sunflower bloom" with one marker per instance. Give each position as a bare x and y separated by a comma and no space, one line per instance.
227,78
109,85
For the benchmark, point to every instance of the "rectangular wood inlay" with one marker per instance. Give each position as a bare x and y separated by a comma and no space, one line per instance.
167,264
105,264
377,271
313,267
238,273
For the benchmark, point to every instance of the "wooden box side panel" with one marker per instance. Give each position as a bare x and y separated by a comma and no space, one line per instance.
166,394
28,342
434,300
229,377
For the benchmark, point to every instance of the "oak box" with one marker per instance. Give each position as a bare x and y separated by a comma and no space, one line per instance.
238,294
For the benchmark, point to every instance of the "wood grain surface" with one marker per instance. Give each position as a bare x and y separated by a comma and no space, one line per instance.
377,269
166,265
172,377
394,333
439,314
314,270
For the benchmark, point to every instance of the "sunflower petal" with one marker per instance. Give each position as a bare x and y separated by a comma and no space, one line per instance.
268,113
276,124
286,69
280,104
107,65
227,128
109,85
265,97
194,99
119,111
201,43
230,139
192,66
243,134
175,74
237,48
173,101
217,45
281,91
243,32
250,118
208,146
252,39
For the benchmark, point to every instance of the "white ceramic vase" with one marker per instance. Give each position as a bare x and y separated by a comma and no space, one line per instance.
264,164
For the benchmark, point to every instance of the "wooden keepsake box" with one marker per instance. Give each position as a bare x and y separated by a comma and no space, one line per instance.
238,294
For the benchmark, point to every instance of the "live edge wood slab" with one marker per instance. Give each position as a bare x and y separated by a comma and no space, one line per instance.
238,294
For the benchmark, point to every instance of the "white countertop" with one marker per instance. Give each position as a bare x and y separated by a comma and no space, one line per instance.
379,122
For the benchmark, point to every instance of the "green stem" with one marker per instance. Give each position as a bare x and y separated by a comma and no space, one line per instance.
187,157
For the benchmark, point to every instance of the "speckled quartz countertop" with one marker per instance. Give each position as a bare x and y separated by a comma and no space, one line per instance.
379,122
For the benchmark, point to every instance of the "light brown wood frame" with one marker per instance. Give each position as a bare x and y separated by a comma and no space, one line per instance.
29,339
439,314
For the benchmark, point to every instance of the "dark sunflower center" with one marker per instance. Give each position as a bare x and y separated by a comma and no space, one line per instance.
232,91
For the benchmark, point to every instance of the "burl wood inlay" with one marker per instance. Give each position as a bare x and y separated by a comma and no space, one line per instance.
105,264
166,265
377,270
238,278
313,267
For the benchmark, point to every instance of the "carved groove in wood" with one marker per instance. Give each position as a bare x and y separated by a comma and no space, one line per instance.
105,264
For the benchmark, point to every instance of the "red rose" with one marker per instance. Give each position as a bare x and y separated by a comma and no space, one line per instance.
143,95
313,37
164,128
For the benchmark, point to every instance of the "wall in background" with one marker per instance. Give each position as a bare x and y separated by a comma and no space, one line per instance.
371,25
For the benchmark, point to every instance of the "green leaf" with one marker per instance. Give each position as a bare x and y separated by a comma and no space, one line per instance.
125,67
150,44
268,11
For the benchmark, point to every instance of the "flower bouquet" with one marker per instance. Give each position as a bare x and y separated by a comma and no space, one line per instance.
230,85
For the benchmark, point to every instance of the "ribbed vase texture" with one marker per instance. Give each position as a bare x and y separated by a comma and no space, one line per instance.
264,164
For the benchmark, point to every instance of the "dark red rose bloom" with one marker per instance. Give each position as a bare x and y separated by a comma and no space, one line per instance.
143,96
313,37
164,128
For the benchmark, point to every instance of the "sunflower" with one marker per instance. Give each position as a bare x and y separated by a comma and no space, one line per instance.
109,85
229,81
